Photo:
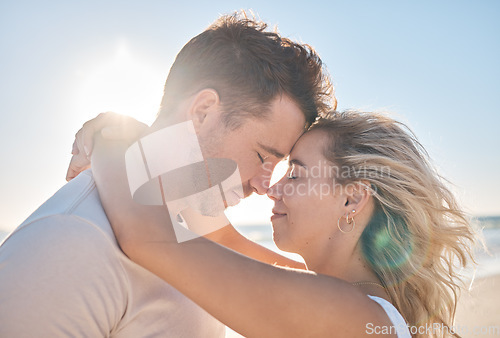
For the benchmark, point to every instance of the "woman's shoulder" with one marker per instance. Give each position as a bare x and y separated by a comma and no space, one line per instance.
399,325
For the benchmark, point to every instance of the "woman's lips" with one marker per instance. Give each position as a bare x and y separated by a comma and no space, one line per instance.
276,215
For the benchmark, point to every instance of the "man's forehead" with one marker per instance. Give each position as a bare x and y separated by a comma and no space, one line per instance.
282,128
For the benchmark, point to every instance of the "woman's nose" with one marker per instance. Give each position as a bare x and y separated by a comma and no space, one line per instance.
260,182
274,192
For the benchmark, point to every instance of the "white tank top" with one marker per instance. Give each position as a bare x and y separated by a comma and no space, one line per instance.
399,325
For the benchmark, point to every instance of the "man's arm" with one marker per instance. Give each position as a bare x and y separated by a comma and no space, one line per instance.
59,277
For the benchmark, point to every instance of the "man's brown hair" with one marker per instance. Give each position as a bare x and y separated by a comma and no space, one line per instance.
248,67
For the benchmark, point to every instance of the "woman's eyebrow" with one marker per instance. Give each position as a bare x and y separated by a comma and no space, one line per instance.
297,162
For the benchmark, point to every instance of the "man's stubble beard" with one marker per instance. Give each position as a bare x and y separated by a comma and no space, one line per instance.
211,148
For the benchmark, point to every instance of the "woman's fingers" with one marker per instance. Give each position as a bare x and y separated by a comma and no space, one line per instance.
74,149
85,136
78,163
130,131
112,126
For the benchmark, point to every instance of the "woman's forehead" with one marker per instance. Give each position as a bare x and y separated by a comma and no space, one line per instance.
309,148
309,141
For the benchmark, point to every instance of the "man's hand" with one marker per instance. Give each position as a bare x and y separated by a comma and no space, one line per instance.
111,126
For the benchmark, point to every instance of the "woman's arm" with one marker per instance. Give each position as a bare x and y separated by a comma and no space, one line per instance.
232,239
253,298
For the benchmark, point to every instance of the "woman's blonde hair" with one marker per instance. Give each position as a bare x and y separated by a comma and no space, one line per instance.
418,238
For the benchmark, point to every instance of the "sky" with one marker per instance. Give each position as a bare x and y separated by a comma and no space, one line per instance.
433,64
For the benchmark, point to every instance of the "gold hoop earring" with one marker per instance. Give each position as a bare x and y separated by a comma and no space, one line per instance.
347,221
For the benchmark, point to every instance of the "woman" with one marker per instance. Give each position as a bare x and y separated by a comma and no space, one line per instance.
381,235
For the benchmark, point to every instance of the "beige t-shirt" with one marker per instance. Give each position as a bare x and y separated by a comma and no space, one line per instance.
62,274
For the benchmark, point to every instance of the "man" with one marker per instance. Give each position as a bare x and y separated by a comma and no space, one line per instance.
250,95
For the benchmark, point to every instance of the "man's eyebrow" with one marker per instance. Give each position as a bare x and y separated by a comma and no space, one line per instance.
272,151
297,162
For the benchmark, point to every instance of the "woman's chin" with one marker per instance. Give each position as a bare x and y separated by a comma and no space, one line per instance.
280,233
281,242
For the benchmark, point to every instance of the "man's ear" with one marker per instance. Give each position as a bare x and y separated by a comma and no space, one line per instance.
204,108
357,197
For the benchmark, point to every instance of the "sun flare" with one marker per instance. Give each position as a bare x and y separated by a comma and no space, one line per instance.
124,85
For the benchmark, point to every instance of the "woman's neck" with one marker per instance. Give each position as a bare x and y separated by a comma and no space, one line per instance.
340,261
351,267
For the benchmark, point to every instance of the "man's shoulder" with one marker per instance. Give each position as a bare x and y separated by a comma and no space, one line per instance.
58,265
79,200
61,232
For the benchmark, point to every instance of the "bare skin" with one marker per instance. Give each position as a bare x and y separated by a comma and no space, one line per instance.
240,291
242,146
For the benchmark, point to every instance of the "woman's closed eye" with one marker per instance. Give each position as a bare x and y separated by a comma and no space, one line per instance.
291,174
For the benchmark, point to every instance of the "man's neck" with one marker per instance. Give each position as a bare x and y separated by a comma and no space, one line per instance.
165,121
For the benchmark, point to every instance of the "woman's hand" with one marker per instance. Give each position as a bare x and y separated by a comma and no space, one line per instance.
111,126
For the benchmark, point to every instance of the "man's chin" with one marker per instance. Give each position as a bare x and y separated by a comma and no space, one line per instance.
232,198
212,212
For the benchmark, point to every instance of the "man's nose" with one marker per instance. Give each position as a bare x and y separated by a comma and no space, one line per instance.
260,183
259,186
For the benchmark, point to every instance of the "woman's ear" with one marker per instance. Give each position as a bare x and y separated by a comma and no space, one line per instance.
204,108
357,195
